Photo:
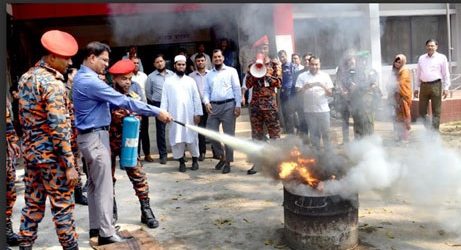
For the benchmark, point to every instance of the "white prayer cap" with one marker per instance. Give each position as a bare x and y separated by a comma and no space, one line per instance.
179,58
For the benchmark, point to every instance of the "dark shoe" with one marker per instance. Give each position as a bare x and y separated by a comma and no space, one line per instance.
252,170
79,197
148,158
194,163
73,247
163,160
147,216
11,237
226,168
201,157
28,247
94,233
219,165
112,239
182,165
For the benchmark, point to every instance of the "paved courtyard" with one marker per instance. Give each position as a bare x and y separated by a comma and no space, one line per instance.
205,209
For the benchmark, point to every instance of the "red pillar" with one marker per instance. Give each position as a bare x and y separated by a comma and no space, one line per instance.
283,28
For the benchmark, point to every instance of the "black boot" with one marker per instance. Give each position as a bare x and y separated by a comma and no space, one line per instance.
73,247
182,165
11,237
252,170
115,214
147,216
28,247
226,168
194,163
80,198
94,232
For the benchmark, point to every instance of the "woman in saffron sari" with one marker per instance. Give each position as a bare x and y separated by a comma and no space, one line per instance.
402,96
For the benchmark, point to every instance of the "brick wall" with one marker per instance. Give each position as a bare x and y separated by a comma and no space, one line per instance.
451,110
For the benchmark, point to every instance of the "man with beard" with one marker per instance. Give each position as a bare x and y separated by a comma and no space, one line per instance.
47,151
201,50
154,87
92,99
199,77
181,98
122,73
222,98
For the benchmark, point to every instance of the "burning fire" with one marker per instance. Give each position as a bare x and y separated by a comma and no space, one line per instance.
299,168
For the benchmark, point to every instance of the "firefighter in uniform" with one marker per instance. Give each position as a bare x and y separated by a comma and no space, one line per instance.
121,73
49,162
263,106
12,153
365,98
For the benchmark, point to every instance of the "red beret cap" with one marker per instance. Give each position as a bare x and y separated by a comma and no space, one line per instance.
122,67
59,43
263,40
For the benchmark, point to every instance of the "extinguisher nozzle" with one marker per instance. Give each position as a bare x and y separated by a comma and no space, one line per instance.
180,123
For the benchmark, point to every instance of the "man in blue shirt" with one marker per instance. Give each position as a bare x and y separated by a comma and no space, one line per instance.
287,92
92,100
222,97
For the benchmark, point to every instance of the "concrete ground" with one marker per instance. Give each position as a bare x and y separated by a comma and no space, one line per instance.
205,209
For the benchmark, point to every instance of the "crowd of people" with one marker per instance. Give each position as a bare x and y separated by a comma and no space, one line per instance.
66,122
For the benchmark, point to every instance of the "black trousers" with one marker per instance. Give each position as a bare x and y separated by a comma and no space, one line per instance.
202,124
144,140
160,133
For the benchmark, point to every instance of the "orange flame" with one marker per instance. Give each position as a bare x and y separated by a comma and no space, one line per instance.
286,168
298,168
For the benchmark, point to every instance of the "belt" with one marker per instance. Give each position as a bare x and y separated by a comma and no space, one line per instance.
435,81
222,102
91,130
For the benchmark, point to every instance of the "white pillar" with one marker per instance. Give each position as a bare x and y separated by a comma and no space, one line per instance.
375,40
283,28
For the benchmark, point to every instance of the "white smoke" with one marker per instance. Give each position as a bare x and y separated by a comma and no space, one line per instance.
426,174
155,21
372,171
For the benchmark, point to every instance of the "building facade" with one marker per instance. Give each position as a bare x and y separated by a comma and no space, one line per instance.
326,30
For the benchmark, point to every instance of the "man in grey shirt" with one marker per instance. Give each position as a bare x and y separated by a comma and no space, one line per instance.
154,87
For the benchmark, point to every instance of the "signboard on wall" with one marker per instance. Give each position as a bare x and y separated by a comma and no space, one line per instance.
180,37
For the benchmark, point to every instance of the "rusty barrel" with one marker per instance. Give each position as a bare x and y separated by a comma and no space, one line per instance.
320,222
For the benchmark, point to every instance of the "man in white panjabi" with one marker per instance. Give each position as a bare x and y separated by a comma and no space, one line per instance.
181,98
